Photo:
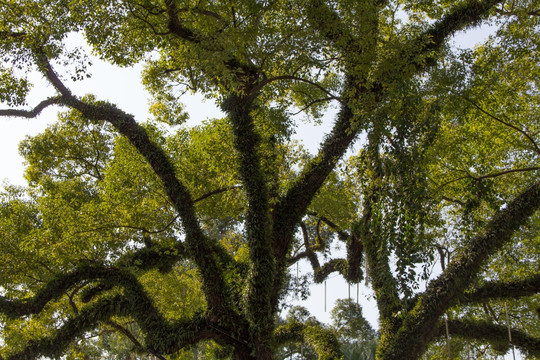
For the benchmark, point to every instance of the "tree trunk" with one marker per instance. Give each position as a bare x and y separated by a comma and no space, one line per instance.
245,353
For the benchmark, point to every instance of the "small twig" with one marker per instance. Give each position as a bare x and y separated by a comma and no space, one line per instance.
498,119
453,200
35,111
215,192
296,78
487,176
316,101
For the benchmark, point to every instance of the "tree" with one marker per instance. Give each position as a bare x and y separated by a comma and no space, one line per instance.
118,211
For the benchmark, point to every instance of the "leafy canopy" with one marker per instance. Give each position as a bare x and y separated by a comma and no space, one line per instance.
148,237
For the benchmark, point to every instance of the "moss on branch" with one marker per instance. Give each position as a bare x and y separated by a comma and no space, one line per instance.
420,323
495,335
503,290
208,254
258,223
321,339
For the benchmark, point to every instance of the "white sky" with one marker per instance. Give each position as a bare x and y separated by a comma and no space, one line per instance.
122,86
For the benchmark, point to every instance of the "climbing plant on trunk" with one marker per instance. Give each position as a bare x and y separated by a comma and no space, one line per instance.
118,210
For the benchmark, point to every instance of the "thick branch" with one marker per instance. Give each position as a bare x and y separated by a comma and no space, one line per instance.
258,227
161,337
422,51
45,67
175,26
376,247
206,253
293,205
334,265
419,325
156,256
330,25
464,15
503,290
323,340
53,290
321,273
87,319
495,335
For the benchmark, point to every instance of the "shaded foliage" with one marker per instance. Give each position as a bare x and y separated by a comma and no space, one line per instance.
152,238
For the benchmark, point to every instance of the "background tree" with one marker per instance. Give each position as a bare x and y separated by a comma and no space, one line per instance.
175,237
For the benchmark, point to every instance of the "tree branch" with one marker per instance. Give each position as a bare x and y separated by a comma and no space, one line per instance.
53,290
11,34
422,51
503,290
217,191
156,256
206,253
481,177
331,96
309,253
175,26
464,15
291,207
330,25
261,275
323,340
35,111
344,267
448,288
343,236
498,119
505,172
121,329
140,347
376,246
161,337
173,220
496,335
333,265
87,319
311,103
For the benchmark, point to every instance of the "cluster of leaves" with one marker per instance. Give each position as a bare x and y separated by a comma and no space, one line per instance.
174,237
